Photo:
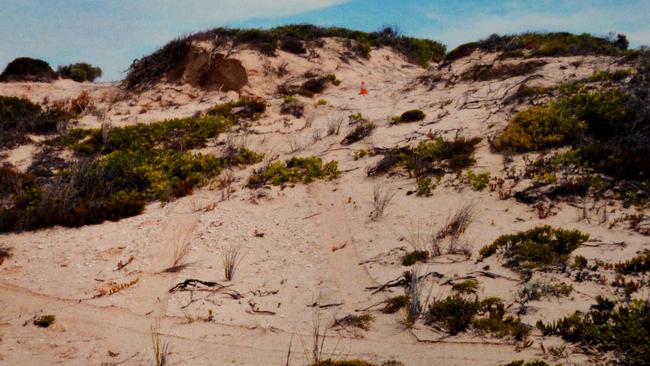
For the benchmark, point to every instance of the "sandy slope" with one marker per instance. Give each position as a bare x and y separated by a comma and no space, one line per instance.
307,264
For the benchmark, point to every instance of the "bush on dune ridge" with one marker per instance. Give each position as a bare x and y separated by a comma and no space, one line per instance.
291,38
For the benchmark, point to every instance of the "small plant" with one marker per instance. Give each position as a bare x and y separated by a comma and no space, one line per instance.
535,248
453,314
412,115
414,257
181,251
381,198
478,181
321,102
361,130
466,287
243,108
160,349
360,154
332,79
5,252
295,170
357,321
334,125
44,321
293,107
395,304
230,259
579,262
424,186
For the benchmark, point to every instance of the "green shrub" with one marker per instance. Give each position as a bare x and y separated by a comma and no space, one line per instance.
412,115
361,130
295,170
79,72
617,75
332,79
623,329
424,186
454,314
415,256
538,247
19,117
27,69
478,181
243,108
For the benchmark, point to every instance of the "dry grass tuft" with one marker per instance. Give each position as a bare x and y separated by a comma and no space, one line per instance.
231,258
382,195
161,350
181,250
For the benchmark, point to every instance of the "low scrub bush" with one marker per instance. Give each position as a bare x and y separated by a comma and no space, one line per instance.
456,314
412,115
395,304
27,69
244,108
414,257
478,181
19,117
294,170
638,264
535,248
362,129
44,321
79,72
623,329
429,157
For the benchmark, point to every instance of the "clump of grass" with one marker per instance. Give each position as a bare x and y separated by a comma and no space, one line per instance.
414,257
160,349
230,259
478,181
638,264
539,247
621,329
44,321
356,321
362,130
294,170
413,115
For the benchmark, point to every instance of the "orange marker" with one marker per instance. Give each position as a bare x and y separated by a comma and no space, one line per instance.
363,91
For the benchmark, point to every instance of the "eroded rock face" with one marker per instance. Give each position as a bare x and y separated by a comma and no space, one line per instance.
213,71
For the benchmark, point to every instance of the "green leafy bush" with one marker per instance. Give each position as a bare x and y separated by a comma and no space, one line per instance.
456,314
27,69
478,181
424,186
623,329
538,247
79,72
412,115
243,108
294,170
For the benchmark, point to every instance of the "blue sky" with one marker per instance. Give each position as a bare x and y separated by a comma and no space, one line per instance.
111,33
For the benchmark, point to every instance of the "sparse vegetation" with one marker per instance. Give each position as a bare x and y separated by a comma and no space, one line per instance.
478,181
539,247
356,321
295,170
621,329
160,348
395,304
19,117
293,38
485,72
414,257
413,115
465,287
243,108
638,264
424,186
79,72
381,197
543,44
